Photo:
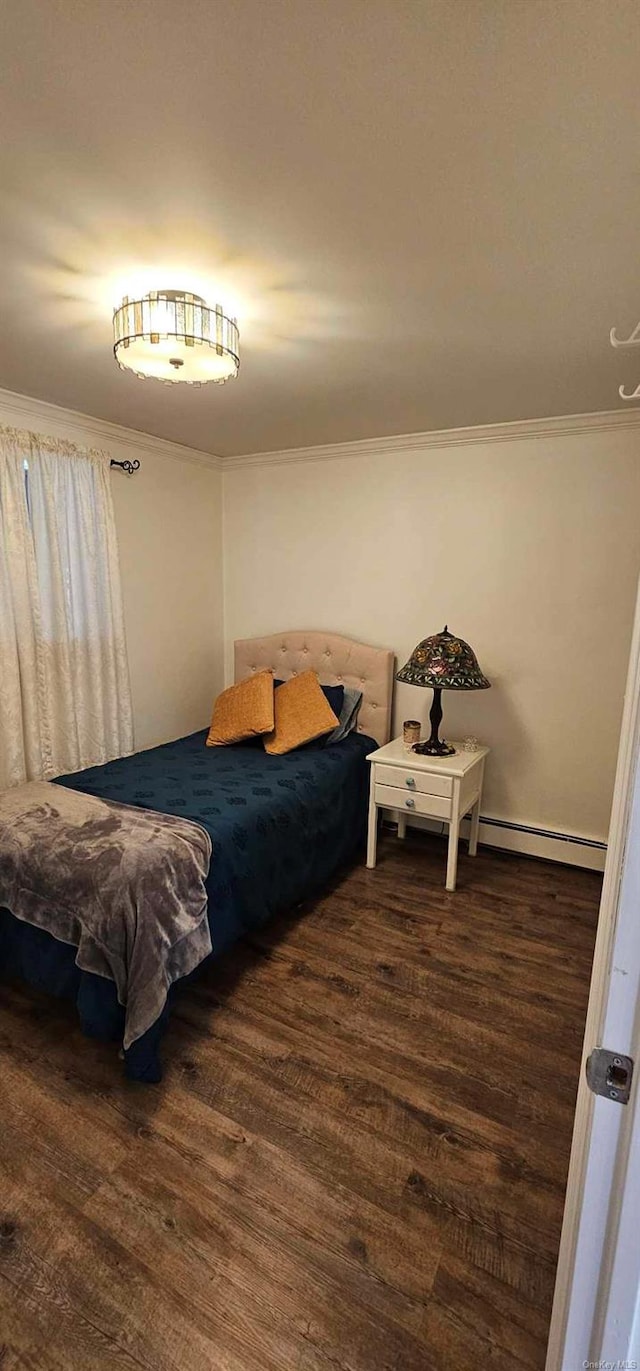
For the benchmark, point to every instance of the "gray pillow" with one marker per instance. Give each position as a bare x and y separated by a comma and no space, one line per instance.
348,715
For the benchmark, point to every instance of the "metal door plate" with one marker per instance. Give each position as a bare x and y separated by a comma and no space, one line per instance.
609,1074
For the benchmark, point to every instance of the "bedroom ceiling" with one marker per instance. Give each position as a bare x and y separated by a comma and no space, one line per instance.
425,212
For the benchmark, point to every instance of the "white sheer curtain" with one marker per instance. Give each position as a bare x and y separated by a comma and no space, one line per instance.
65,701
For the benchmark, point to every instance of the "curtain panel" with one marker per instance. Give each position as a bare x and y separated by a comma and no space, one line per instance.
65,699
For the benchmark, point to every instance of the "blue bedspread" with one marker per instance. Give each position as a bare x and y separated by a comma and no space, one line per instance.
281,827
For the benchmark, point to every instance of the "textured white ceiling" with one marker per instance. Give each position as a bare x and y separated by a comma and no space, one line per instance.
425,211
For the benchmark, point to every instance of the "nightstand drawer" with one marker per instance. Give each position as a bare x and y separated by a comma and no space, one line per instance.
412,781
412,802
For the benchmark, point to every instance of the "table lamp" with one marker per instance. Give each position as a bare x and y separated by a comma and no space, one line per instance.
443,662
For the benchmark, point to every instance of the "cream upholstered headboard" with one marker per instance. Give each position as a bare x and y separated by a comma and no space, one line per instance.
337,660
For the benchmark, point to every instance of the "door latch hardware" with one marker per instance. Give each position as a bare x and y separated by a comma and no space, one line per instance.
609,1074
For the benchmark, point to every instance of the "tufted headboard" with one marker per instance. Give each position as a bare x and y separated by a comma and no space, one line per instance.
337,660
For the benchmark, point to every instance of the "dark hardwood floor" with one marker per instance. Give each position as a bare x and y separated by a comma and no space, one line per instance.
357,1158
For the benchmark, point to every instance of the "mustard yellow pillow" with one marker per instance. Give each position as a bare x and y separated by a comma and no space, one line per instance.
302,713
243,711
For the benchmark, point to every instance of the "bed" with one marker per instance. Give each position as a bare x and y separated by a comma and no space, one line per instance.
281,826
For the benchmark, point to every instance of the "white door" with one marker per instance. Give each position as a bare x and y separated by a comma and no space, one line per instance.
596,1312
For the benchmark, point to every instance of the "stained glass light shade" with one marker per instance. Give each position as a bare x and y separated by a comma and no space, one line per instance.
173,336
444,662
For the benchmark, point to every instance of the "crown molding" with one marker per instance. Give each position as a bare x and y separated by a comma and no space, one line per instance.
40,414
569,425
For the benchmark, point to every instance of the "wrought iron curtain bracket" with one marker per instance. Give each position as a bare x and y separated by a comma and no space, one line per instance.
129,467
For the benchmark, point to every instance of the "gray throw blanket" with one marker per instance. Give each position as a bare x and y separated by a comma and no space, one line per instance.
123,885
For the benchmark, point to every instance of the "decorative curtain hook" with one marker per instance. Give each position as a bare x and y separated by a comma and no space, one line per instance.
129,467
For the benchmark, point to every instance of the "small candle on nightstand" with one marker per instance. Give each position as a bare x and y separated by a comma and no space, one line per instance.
410,732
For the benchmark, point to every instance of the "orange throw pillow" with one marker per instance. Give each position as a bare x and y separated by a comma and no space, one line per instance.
243,711
302,713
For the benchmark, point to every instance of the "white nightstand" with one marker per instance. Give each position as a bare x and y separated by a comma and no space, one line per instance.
444,788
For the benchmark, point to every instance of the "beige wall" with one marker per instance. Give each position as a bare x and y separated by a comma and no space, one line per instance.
528,548
170,539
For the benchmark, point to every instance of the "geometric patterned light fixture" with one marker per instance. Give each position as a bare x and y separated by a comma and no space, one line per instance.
173,335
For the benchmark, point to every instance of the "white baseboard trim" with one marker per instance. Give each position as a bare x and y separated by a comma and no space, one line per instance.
524,838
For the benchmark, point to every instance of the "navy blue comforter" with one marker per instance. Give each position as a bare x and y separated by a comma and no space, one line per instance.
281,827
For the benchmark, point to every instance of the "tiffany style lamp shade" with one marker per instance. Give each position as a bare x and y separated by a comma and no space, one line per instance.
443,662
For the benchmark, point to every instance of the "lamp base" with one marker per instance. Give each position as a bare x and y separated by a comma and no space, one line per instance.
433,749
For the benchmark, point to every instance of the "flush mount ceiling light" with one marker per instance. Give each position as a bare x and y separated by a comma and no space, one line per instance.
173,335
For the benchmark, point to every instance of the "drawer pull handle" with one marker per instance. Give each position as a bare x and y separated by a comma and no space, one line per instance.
410,803
410,781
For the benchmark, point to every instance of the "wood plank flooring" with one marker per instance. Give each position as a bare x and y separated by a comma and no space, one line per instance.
356,1160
